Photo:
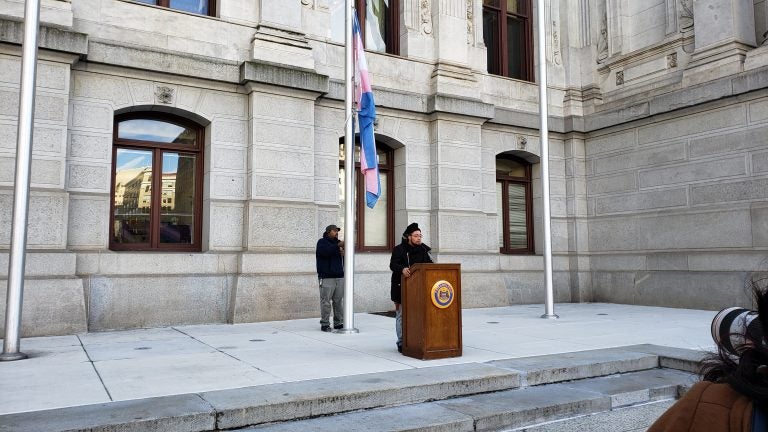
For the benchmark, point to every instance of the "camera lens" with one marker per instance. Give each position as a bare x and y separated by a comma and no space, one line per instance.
734,328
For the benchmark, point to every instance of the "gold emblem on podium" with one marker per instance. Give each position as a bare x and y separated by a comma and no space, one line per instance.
442,294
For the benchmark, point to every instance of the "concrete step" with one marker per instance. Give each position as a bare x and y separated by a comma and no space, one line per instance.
590,402
451,390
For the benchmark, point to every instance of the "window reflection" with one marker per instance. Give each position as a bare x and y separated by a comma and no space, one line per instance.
132,196
194,6
155,131
178,198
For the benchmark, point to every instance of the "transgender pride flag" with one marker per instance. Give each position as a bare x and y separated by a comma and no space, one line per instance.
369,165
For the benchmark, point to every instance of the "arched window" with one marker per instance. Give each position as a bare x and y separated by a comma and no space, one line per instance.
201,7
374,226
514,201
157,173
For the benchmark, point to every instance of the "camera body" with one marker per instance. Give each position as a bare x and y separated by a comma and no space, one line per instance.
736,329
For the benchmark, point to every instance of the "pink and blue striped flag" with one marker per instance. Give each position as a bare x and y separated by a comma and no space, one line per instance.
369,164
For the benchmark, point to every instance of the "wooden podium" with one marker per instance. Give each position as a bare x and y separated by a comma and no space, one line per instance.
432,311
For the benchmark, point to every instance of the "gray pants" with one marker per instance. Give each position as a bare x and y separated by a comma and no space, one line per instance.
332,293
399,324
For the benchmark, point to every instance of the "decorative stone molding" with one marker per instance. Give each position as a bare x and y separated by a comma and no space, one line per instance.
556,55
522,142
686,15
602,40
425,9
672,60
619,78
165,95
470,21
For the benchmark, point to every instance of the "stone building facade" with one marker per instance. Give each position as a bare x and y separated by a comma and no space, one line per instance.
658,153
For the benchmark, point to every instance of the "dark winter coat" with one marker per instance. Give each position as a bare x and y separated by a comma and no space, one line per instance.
404,255
330,262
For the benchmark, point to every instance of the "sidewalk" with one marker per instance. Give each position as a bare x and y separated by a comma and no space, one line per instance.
110,366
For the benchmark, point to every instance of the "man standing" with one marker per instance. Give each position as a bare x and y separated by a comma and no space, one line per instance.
410,251
330,271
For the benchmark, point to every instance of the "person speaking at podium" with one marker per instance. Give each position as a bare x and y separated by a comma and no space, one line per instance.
410,251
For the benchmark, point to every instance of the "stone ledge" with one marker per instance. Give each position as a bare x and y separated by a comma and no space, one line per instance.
197,66
272,74
50,38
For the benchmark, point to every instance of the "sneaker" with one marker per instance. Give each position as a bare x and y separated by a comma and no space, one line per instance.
325,328
338,326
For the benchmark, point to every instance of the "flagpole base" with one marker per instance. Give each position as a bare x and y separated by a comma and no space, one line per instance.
347,331
548,316
12,356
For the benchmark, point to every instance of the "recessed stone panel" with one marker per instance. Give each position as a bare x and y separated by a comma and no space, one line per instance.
229,158
8,137
759,223
641,201
9,103
47,219
227,104
281,226
613,235
52,307
284,187
667,261
121,302
10,70
642,158
611,184
760,162
693,171
289,135
684,231
693,124
282,107
460,199
268,298
752,189
141,92
758,111
228,186
460,155
457,132
90,146
610,143
730,142
105,87
48,139
229,131
54,76
88,221
270,159
95,178
188,98
226,226
45,173
92,116
326,193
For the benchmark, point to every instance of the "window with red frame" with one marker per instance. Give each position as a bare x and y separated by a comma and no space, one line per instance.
374,226
201,7
514,200
157,173
508,38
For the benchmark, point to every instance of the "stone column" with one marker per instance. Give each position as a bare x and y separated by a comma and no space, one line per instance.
452,74
724,31
279,38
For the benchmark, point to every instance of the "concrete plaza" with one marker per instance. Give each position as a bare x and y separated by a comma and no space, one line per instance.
100,367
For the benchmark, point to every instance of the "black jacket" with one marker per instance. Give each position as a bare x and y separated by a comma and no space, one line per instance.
405,255
330,263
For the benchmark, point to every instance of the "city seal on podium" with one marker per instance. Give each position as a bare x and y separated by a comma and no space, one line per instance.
442,294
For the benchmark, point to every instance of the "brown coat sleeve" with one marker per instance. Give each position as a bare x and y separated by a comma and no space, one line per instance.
707,407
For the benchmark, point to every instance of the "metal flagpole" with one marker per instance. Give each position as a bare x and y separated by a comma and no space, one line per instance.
549,307
15,296
349,177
